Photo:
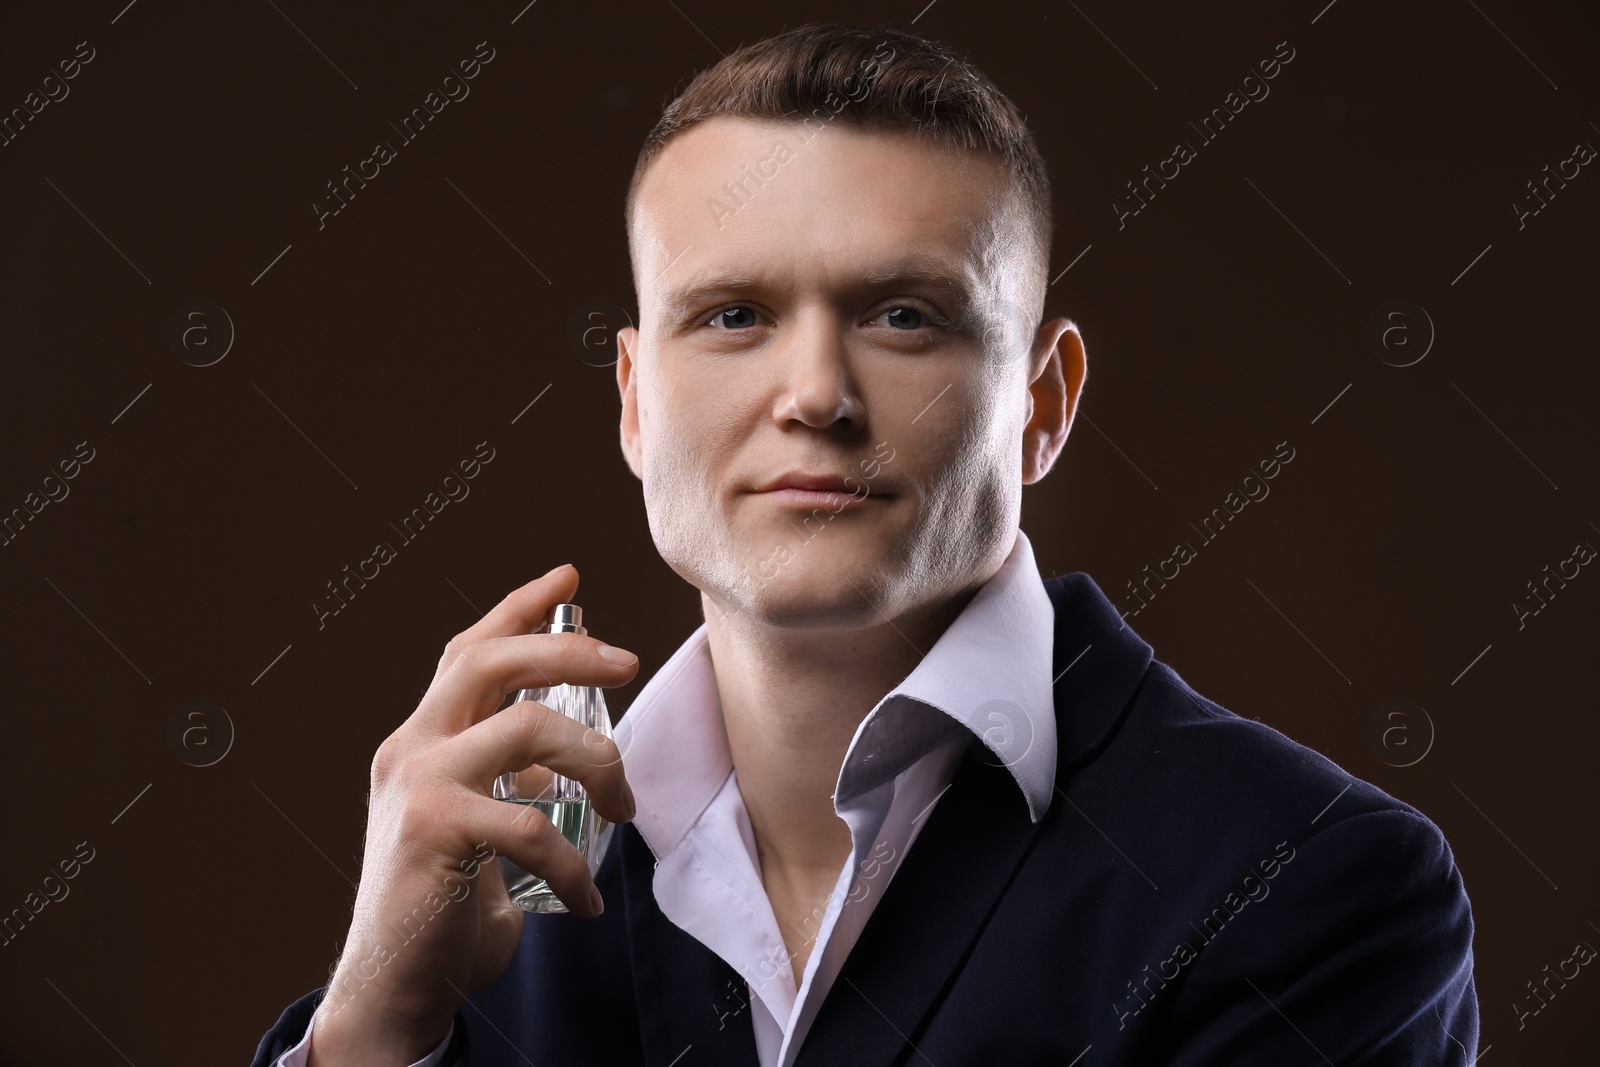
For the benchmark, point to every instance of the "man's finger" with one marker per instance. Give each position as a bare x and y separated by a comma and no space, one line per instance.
528,733
479,676
522,611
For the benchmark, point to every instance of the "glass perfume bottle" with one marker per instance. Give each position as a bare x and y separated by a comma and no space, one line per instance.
564,802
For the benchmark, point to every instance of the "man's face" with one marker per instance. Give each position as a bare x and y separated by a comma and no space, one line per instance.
857,314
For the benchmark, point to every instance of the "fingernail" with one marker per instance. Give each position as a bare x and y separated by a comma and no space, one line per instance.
627,799
554,570
597,904
619,656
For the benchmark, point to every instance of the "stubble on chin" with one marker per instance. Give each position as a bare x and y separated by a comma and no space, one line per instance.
689,540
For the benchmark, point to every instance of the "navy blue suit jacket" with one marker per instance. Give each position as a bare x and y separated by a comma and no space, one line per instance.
1202,890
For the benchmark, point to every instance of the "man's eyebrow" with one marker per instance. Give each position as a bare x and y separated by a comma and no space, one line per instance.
701,286
929,273
698,286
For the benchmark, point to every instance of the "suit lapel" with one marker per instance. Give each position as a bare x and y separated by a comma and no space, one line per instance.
1099,663
689,999
935,906
940,900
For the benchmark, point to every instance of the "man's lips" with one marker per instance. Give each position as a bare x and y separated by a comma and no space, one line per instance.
829,499
803,480
830,491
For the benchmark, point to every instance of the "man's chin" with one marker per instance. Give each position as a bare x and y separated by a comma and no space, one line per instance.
822,592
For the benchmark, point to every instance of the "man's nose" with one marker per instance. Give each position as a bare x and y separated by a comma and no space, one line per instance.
816,374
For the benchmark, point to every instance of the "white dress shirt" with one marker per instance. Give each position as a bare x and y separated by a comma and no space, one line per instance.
988,675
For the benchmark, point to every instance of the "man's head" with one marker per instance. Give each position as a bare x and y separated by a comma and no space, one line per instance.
840,240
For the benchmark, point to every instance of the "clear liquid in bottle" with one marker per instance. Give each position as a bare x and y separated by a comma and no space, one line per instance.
565,802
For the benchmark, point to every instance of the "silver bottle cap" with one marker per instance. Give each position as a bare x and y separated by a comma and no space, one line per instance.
565,619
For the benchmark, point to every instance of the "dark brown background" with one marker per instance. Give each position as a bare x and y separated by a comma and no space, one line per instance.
415,325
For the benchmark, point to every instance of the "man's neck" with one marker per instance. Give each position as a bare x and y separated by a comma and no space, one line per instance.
792,700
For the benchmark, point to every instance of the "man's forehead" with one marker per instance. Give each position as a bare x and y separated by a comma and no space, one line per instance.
731,187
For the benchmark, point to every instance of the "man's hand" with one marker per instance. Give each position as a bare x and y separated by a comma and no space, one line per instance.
408,963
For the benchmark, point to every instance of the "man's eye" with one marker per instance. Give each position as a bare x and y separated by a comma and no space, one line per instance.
904,318
734,318
907,318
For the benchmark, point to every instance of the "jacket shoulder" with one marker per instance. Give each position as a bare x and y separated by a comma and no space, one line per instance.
1227,765
1242,874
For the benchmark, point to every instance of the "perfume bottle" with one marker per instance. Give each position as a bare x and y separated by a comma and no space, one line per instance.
564,802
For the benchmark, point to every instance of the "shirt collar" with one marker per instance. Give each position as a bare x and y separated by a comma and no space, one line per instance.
989,673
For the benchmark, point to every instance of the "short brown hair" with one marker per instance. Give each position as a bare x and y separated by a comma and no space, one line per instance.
921,87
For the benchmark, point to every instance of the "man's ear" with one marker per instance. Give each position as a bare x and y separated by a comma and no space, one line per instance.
627,386
1057,370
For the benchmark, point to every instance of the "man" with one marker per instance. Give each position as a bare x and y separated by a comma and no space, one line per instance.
898,799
